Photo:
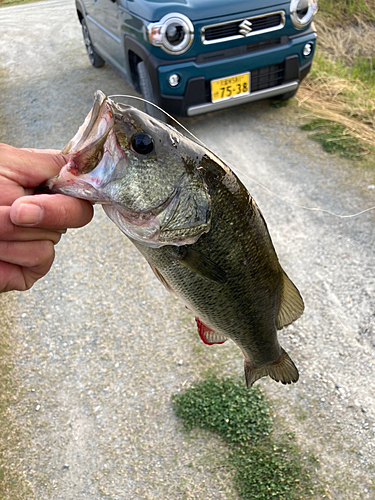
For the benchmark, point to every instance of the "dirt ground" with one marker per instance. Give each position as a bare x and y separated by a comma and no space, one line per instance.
98,346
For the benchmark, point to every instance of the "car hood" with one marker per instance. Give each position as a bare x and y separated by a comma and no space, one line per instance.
154,10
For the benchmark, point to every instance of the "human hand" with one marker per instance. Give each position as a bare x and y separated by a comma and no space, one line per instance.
30,225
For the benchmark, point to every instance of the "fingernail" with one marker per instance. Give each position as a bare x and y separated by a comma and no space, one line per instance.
28,214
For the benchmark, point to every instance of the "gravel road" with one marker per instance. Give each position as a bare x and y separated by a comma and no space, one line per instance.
99,346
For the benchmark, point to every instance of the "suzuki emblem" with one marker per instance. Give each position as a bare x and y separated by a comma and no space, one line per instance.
245,27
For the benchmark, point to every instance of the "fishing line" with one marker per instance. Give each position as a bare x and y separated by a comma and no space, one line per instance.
311,209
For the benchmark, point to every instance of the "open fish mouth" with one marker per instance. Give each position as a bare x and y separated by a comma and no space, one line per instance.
93,153
97,124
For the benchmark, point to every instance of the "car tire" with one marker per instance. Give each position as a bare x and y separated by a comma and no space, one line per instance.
148,92
96,60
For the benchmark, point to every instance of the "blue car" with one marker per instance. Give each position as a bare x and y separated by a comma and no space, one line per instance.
192,57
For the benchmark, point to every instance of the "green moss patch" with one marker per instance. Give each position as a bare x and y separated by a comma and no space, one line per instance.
265,467
334,138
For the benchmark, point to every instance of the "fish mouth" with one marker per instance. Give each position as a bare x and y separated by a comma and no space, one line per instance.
90,154
97,123
86,149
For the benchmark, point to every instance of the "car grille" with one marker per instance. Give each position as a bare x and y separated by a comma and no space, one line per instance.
229,31
265,78
240,51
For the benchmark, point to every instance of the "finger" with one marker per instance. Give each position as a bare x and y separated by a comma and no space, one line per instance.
16,277
31,254
11,278
11,232
30,168
55,211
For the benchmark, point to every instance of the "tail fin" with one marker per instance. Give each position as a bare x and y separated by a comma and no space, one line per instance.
283,370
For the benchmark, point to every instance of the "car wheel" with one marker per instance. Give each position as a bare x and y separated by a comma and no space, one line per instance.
148,92
94,57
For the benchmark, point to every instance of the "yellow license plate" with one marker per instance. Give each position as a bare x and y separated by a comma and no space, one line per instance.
227,88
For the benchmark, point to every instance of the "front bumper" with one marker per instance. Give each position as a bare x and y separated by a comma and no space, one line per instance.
207,107
276,69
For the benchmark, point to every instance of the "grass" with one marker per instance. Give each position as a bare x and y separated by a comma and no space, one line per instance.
345,96
264,467
345,10
335,138
6,399
12,482
340,88
364,70
9,3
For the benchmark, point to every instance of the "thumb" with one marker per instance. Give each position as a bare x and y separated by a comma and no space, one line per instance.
30,167
55,211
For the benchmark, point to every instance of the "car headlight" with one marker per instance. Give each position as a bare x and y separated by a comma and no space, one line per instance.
174,33
302,12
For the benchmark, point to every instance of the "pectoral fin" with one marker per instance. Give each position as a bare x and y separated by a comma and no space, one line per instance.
290,304
162,280
200,264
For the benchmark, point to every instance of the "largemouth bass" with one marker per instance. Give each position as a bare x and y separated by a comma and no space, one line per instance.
194,222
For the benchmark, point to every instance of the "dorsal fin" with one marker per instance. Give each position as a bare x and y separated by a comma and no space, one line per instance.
290,304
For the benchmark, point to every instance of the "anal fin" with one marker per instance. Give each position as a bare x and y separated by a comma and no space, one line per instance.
283,370
209,336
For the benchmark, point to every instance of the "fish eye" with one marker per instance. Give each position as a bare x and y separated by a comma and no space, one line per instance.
142,143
